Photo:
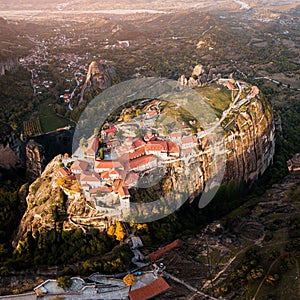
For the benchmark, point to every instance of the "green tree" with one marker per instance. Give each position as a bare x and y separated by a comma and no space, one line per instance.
64,282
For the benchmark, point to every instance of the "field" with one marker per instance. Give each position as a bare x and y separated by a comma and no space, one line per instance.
49,120
32,127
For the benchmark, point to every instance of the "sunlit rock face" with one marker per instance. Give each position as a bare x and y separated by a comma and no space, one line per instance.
100,76
246,144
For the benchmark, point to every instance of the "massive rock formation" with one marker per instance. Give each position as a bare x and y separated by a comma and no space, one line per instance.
249,139
100,76
11,155
35,160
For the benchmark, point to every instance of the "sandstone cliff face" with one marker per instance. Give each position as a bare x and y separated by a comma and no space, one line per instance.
99,76
249,138
44,195
35,160
10,148
250,145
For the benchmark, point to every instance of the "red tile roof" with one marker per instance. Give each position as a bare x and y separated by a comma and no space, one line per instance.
93,144
101,189
141,161
108,164
137,143
104,175
189,139
123,192
137,153
146,292
89,177
175,135
157,146
160,252
173,147
229,85
117,184
79,165
112,129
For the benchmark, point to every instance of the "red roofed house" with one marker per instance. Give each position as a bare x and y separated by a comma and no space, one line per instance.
124,197
105,175
112,129
79,166
138,143
143,163
160,252
173,149
92,147
175,136
112,144
149,136
187,152
115,174
90,178
159,148
188,142
146,292
107,165
137,153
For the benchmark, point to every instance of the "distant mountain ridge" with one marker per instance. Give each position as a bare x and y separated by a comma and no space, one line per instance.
141,4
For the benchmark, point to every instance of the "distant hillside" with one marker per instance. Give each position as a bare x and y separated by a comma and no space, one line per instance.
145,4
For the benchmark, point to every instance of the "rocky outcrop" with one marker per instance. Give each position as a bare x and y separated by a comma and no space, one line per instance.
44,195
250,143
199,77
248,137
100,76
35,160
8,65
11,154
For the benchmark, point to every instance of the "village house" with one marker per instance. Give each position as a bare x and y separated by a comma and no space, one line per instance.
173,149
187,152
149,136
158,148
146,292
188,142
143,163
138,143
90,178
92,147
79,166
107,165
112,144
137,153
175,136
